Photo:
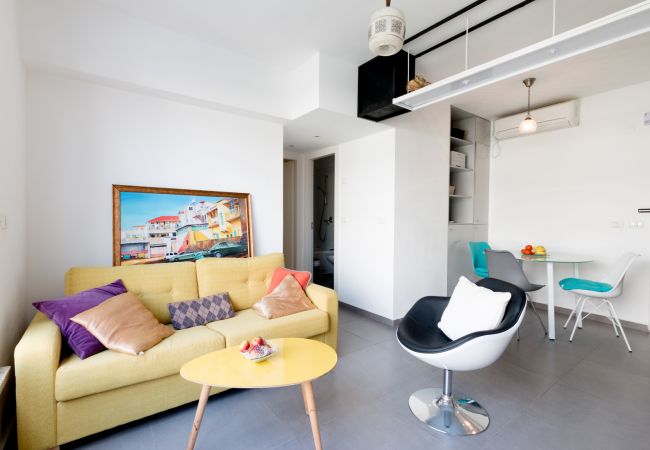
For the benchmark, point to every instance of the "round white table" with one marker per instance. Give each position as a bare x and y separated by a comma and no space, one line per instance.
550,261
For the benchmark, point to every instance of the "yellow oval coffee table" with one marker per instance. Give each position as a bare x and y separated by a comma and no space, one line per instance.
297,361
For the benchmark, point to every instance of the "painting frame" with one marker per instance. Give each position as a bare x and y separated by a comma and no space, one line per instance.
119,189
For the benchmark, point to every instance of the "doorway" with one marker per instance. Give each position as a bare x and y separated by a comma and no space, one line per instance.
323,220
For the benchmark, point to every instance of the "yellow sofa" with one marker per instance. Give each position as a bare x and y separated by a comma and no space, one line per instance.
60,399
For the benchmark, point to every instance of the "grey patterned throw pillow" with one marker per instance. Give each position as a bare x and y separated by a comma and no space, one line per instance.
192,313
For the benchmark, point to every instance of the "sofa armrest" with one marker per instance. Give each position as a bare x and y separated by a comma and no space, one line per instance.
36,359
326,300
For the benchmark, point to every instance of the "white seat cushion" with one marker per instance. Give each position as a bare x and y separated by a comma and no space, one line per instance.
472,308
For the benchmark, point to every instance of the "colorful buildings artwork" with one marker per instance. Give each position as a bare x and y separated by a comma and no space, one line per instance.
196,228
161,234
224,219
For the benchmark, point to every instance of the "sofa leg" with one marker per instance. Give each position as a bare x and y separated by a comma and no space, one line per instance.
448,412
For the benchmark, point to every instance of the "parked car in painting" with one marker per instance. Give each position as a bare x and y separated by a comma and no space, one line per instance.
226,249
191,256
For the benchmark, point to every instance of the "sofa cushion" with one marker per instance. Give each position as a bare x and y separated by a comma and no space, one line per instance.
108,370
245,279
286,299
61,310
281,273
123,324
247,323
156,285
192,313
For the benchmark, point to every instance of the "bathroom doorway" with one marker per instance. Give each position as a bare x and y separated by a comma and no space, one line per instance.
323,221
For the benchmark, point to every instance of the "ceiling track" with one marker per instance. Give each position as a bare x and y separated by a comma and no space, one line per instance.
487,21
444,21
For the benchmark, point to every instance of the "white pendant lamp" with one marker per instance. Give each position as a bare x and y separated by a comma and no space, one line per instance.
528,125
386,31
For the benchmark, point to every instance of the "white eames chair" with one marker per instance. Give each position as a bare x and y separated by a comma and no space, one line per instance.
599,294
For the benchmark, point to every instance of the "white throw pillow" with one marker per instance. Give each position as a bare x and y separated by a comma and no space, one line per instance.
472,308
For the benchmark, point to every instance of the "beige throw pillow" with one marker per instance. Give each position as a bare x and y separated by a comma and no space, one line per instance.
123,324
287,298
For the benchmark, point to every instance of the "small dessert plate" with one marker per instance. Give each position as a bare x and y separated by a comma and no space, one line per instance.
270,351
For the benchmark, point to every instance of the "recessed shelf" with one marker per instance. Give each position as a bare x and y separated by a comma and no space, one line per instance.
456,142
460,196
460,169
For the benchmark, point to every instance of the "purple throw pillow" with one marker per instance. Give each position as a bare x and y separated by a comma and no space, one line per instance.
192,313
61,310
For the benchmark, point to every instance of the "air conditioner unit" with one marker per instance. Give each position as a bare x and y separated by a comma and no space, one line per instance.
554,117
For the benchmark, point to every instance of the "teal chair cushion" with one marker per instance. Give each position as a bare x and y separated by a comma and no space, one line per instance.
569,284
479,261
481,272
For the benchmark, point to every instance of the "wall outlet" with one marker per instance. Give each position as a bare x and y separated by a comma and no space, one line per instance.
646,119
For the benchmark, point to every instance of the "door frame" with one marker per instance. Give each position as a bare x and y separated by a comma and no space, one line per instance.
305,207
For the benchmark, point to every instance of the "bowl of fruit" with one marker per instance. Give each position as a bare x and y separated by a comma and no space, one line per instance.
537,250
257,349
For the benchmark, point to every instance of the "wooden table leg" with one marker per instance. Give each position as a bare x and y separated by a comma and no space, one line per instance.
308,395
203,399
304,398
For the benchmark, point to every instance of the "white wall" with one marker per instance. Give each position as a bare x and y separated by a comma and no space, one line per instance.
421,203
13,265
88,38
365,236
563,190
82,138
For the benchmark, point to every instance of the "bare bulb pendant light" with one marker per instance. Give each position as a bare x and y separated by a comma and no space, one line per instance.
528,125
386,31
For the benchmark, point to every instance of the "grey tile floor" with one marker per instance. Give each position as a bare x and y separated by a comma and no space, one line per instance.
589,394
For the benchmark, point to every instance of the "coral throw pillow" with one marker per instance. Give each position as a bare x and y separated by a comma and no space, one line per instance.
281,272
61,310
123,324
192,313
287,298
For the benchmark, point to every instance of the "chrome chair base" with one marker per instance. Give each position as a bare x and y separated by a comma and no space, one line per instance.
457,414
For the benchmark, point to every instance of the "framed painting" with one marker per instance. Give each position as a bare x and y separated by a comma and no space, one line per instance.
160,225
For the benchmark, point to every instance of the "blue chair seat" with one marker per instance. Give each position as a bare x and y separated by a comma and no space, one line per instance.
570,284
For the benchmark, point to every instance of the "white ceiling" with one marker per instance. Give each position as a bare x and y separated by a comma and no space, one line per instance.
321,128
285,33
282,32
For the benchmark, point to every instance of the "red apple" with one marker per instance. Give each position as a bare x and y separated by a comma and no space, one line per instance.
244,346
258,340
528,247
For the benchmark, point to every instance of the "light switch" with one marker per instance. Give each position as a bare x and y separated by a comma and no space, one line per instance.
617,224
646,119
3,222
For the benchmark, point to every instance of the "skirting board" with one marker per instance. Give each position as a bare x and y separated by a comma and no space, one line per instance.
595,317
542,306
368,314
